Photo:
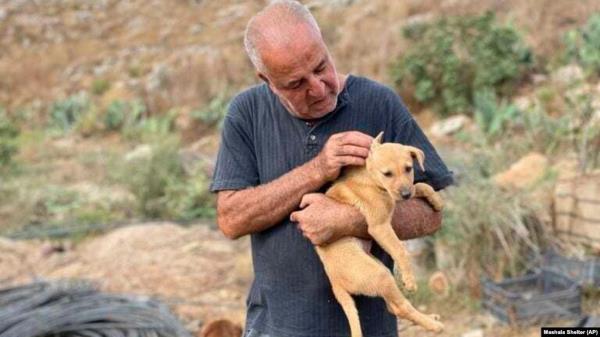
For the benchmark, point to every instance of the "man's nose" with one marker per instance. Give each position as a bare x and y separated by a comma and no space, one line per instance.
316,87
405,193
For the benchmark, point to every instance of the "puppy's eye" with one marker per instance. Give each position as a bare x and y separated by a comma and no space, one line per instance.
387,173
408,169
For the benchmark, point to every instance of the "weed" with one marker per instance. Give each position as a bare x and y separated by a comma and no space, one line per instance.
66,113
214,112
114,117
8,140
100,86
488,227
583,45
491,116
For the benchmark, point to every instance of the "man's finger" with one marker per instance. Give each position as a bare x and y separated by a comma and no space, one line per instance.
350,160
294,217
356,138
353,150
308,199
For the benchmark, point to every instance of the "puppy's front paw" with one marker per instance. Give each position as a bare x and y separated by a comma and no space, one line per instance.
436,201
409,282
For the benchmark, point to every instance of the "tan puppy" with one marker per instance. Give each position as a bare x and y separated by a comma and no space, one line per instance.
374,189
220,328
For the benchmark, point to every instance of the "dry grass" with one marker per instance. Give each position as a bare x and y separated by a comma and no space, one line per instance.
201,42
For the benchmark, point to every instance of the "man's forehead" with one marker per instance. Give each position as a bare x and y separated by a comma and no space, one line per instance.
293,56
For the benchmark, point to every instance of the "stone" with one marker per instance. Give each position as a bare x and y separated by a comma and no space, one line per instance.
524,172
449,125
568,75
473,333
143,151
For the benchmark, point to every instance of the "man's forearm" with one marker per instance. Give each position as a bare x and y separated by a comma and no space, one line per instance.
258,208
412,218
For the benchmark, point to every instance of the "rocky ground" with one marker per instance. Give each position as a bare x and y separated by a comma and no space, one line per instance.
195,269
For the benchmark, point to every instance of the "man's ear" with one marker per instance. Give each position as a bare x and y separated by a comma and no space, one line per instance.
418,155
262,77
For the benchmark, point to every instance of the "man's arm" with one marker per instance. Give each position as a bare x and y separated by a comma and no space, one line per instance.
411,219
257,208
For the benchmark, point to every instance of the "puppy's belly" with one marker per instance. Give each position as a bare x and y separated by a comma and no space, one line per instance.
345,247
348,265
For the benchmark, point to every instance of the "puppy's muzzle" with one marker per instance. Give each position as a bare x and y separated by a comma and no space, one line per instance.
406,193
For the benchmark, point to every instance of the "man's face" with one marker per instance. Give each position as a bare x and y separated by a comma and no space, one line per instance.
303,75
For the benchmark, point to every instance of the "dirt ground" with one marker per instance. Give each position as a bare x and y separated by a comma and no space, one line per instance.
194,269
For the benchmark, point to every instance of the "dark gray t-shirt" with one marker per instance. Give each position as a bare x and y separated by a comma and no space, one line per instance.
291,295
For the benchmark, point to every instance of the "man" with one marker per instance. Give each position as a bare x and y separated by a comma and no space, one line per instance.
287,139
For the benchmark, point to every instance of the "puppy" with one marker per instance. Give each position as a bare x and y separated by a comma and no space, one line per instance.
220,328
374,190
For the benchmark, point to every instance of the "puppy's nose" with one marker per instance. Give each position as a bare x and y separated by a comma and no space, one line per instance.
406,193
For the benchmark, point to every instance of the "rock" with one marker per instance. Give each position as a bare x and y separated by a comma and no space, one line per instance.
158,78
143,151
473,333
449,125
539,78
568,75
523,103
524,172
97,194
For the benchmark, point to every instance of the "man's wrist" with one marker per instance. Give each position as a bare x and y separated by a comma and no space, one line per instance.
315,172
353,223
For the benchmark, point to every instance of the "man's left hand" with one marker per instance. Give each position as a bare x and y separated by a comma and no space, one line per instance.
322,219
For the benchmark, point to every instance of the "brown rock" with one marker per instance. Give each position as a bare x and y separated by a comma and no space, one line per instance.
524,172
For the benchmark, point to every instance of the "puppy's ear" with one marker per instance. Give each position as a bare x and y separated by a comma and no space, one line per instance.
379,138
418,155
377,141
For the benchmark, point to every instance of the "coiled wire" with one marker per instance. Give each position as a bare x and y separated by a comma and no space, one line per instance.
75,308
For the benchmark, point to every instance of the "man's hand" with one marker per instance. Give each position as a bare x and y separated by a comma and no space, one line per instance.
324,220
341,149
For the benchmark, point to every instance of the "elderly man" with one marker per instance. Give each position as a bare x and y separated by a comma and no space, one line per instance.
283,142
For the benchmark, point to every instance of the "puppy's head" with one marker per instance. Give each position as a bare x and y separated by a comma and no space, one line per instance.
391,166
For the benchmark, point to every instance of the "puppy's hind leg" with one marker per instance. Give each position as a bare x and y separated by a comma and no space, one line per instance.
349,307
400,306
387,239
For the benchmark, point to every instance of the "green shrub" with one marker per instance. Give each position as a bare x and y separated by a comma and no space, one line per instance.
114,116
492,117
65,114
214,112
583,45
100,86
8,139
452,58
161,186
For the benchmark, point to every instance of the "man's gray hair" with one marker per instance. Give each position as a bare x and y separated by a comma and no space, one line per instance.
280,12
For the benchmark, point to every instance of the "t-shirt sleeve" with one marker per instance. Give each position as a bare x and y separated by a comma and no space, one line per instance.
236,166
406,131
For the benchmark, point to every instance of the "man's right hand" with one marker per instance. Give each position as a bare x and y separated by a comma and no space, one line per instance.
341,149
